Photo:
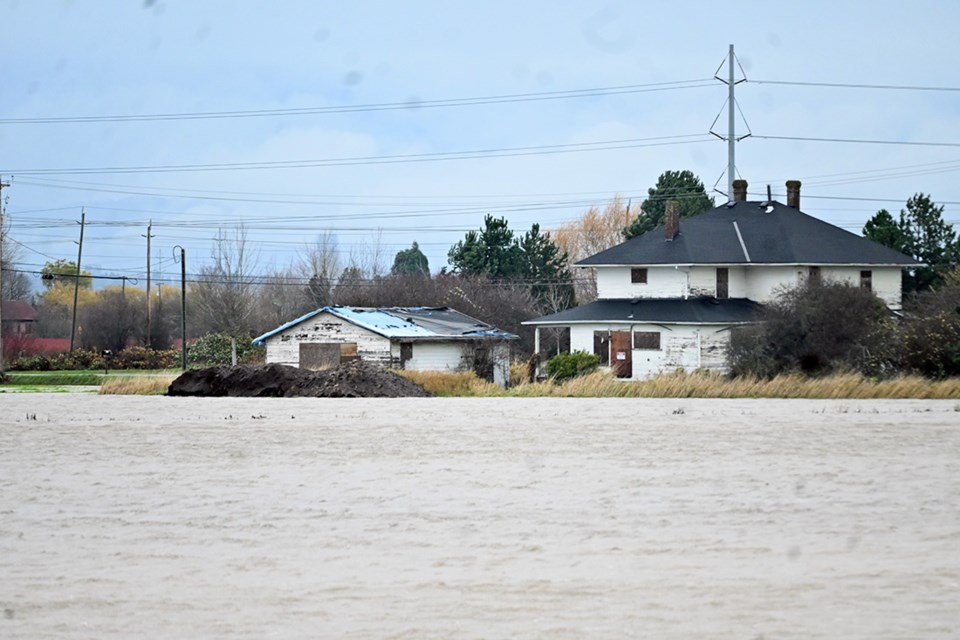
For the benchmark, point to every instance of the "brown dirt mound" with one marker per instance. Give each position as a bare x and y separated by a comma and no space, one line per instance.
352,380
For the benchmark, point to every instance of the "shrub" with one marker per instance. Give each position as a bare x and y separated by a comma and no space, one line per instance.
80,359
215,349
564,366
817,329
931,331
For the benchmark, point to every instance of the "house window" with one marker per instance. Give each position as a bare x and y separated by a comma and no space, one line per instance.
723,282
647,340
814,276
601,346
866,280
638,276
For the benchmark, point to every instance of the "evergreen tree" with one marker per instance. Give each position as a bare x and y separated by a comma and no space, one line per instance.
493,251
920,232
884,229
410,261
545,265
682,186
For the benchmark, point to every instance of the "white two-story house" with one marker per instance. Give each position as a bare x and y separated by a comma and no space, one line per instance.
667,299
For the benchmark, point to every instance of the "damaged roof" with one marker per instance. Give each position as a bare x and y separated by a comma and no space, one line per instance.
405,323
698,310
751,233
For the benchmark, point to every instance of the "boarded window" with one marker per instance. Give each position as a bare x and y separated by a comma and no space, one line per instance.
648,340
866,280
638,276
348,351
723,283
601,346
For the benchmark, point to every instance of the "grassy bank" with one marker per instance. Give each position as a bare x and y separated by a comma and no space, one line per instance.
697,385
117,381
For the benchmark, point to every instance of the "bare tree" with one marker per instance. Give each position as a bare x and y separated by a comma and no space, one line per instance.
222,296
112,318
280,298
320,265
591,233
16,285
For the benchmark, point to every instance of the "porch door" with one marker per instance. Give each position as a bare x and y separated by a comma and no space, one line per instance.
621,358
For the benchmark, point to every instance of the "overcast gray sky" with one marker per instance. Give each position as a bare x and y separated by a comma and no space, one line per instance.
556,155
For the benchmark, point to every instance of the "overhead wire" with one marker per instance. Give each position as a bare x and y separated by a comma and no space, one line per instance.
496,152
406,105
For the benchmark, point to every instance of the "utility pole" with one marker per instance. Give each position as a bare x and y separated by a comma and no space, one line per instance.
148,236
183,303
76,280
2,186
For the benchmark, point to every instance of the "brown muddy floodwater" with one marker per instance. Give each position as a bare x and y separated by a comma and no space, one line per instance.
152,517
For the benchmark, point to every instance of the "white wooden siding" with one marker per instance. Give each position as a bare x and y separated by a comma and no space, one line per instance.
685,347
886,281
435,356
284,347
662,282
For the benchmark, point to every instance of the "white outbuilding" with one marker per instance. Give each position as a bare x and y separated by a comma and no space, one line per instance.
413,338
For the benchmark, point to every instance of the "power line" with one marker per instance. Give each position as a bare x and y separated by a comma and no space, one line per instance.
847,85
497,152
860,141
407,105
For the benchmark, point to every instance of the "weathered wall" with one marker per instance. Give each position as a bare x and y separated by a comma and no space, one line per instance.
435,356
886,281
681,346
284,347
662,282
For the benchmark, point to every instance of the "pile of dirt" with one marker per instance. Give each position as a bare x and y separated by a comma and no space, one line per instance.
351,380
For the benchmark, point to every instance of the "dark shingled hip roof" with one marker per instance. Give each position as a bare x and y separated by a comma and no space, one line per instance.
751,233
700,310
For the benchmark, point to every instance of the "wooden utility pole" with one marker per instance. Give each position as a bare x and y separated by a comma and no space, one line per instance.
148,236
76,280
183,303
2,186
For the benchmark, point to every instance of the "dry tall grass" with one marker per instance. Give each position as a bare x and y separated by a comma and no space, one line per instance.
696,385
153,385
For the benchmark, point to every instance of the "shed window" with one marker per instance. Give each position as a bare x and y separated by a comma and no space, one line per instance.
638,276
648,340
866,280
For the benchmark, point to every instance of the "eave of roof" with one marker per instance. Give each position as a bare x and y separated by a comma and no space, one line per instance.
701,310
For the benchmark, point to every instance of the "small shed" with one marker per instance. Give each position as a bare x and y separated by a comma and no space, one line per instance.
413,338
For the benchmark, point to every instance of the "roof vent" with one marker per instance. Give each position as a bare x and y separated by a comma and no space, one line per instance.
731,204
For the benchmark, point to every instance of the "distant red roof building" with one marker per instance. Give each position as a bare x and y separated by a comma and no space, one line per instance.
18,317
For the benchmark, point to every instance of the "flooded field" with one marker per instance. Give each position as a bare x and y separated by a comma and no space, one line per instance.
157,517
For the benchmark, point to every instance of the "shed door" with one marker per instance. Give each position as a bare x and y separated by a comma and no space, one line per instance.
319,355
621,354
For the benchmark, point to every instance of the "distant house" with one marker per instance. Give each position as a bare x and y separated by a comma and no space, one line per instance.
414,338
667,299
18,318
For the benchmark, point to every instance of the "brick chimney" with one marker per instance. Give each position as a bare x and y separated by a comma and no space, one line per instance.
739,190
793,194
671,221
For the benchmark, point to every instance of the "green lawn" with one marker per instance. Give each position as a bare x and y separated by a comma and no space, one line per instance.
63,380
